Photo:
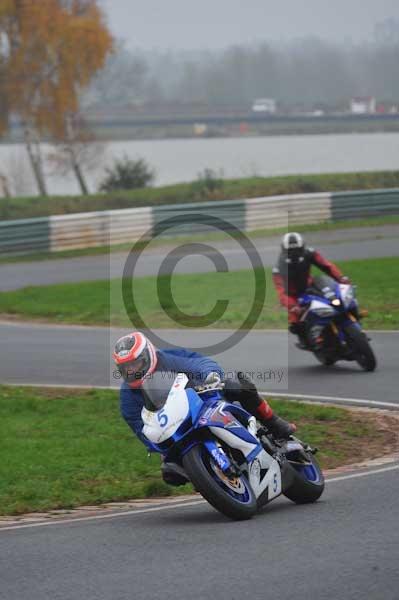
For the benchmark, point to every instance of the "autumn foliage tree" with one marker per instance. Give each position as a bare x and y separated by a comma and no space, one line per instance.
49,52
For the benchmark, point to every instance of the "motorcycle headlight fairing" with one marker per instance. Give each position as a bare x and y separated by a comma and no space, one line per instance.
321,309
347,294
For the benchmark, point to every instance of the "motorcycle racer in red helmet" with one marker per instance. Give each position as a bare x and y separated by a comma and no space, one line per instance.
136,358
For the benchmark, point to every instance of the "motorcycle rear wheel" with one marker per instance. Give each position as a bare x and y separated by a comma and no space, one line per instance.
307,482
233,497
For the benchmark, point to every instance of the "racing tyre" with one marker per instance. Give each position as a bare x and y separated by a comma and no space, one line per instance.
362,350
233,497
327,361
307,481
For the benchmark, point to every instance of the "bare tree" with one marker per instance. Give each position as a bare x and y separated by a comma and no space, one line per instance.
4,186
33,147
19,174
77,152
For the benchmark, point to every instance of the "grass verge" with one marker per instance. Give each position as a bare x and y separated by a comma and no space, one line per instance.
204,237
66,448
89,303
197,191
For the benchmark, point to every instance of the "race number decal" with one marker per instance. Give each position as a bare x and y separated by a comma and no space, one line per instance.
162,418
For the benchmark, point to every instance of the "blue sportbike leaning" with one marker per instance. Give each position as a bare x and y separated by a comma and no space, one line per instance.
332,322
232,461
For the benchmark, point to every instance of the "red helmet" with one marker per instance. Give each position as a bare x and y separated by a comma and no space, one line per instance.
135,357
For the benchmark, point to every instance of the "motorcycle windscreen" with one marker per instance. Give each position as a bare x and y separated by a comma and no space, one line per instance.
156,388
324,285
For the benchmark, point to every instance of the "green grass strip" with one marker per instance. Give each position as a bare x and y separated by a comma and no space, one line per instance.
66,448
89,303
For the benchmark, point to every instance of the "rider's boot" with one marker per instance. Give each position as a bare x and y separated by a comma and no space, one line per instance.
280,428
259,408
277,426
173,474
300,330
303,343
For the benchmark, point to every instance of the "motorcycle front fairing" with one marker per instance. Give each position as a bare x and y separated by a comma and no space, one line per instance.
173,420
221,419
184,413
336,305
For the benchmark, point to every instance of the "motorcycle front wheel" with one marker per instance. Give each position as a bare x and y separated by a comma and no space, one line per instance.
324,359
362,350
232,496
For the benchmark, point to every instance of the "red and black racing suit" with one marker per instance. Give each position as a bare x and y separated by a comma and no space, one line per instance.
291,281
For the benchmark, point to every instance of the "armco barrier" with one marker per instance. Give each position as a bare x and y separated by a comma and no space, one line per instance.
130,225
231,211
367,203
24,236
87,230
279,211
84,230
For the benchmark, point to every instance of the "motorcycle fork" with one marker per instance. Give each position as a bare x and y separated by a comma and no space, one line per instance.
338,334
223,458
334,328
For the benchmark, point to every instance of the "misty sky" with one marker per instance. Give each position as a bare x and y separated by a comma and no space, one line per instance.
218,23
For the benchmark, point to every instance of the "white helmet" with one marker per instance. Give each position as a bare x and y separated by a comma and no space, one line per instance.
293,247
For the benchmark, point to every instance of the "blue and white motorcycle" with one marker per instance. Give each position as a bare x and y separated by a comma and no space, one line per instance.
235,465
332,324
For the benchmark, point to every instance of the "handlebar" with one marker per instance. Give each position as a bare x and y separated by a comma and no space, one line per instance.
201,389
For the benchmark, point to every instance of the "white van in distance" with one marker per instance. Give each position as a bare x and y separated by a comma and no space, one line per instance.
265,105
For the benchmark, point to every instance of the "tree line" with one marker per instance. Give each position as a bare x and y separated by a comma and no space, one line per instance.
309,72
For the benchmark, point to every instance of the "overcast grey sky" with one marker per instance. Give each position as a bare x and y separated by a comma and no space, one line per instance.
219,23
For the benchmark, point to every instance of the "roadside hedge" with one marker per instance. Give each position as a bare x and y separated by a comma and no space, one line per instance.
197,191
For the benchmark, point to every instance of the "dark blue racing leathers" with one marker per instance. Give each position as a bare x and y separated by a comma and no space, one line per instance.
196,366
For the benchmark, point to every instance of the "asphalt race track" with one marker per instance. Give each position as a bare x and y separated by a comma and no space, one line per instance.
65,355
345,546
337,245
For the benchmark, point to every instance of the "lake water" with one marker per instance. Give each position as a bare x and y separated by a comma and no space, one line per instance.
182,160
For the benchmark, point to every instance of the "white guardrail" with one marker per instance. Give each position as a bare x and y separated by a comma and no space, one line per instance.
88,230
278,211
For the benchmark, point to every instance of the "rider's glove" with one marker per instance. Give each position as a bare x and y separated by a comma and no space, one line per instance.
296,310
344,280
213,379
